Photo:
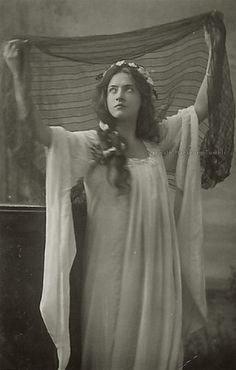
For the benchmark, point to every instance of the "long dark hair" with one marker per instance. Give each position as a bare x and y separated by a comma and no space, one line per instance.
147,127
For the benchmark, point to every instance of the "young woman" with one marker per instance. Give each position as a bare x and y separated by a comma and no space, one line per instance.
143,286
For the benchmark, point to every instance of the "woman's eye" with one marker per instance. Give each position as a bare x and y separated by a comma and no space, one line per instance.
112,89
130,89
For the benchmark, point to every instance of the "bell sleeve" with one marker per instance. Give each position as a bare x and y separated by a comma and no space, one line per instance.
183,136
171,129
68,158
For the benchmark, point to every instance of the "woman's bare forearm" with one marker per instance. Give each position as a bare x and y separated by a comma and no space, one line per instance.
27,110
25,107
201,103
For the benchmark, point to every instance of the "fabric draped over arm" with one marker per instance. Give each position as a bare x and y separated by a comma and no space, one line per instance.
60,242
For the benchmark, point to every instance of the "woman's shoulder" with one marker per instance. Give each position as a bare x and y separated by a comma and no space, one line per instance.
86,134
90,132
82,136
75,140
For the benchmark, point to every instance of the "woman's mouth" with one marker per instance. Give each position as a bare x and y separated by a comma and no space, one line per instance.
119,106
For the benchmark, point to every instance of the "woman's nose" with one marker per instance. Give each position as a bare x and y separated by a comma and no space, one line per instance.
119,95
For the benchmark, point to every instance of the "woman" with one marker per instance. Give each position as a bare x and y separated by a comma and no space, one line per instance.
137,305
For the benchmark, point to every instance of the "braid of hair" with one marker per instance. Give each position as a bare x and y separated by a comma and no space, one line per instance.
112,154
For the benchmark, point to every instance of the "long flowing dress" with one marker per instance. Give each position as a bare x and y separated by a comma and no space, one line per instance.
132,299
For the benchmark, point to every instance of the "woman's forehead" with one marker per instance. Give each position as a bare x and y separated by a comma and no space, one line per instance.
122,78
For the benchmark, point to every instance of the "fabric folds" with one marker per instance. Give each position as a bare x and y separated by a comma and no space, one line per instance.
187,256
62,72
60,248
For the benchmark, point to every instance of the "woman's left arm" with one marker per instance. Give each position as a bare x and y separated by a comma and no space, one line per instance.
201,103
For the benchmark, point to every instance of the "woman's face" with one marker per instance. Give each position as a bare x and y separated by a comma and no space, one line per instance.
123,97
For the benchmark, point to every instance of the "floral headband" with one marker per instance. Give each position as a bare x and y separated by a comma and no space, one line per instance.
138,68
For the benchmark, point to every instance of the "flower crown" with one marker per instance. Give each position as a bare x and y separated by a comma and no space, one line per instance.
140,69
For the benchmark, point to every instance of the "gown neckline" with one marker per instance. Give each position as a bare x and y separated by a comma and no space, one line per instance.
150,156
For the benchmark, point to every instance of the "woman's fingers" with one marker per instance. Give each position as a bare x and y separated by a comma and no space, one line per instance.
12,47
10,50
214,29
18,42
13,56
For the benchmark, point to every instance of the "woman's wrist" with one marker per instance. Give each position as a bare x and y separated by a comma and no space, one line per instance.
18,81
208,72
22,98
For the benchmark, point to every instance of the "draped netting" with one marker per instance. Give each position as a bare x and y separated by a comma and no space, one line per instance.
61,74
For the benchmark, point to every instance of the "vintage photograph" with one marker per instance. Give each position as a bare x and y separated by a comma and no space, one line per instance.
117,191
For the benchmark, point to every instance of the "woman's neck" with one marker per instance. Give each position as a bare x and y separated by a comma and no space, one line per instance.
127,130
135,146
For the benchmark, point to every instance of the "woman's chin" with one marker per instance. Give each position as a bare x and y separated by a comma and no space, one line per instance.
119,116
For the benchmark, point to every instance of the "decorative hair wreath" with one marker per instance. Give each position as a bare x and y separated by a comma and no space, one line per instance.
137,67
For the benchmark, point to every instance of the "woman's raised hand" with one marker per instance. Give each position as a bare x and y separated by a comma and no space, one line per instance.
214,30
12,53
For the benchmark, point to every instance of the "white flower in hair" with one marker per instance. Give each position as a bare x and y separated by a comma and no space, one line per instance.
146,75
132,65
120,63
109,151
103,126
140,69
150,81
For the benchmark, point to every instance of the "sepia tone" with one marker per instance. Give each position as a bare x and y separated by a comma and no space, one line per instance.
22,252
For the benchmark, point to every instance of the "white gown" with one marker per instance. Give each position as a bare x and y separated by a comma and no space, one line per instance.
132,306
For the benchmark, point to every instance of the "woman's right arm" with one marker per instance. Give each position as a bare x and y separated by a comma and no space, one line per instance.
25,107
